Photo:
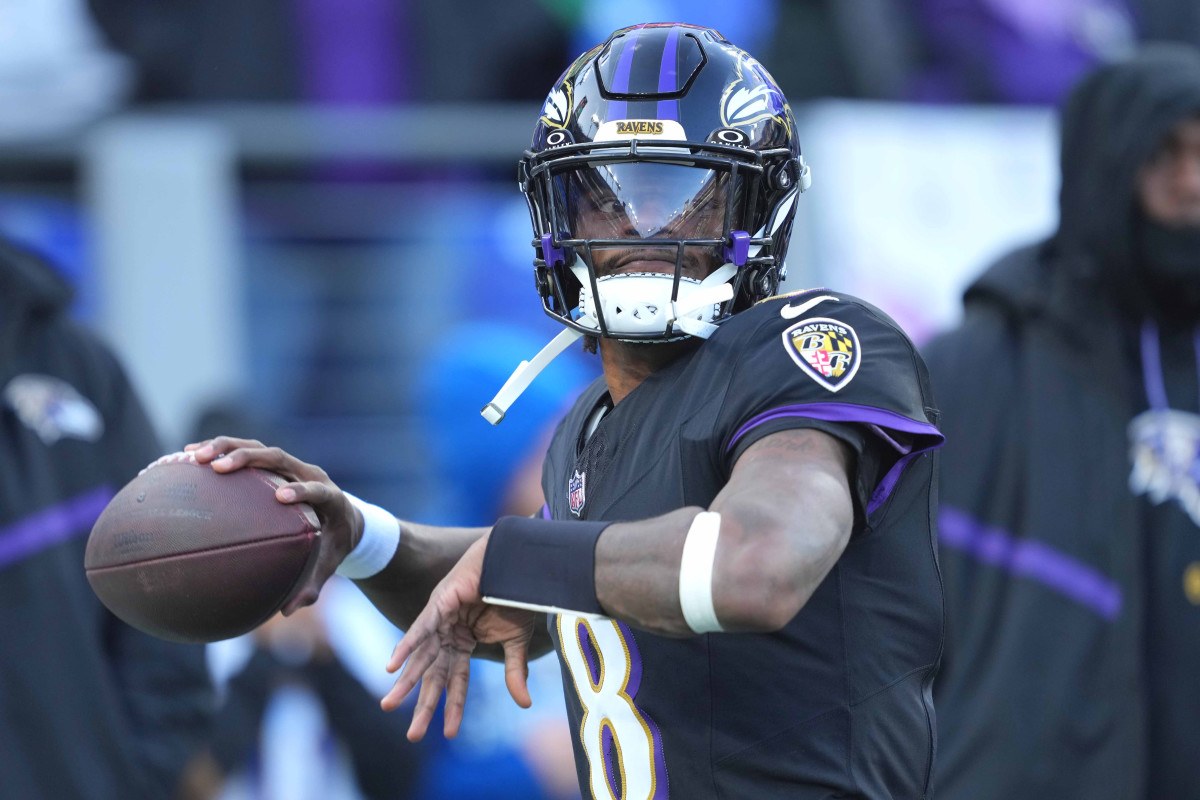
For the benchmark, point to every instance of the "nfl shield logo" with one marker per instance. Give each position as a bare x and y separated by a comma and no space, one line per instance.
827,350
575,492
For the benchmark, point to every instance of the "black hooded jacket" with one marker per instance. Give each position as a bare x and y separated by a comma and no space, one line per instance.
1072,585
90,709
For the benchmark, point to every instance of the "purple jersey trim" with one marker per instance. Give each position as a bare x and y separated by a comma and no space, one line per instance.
902,449
668,81
884,490
844,412
866,415
1029,558
662,787
545,511
617,109
50,526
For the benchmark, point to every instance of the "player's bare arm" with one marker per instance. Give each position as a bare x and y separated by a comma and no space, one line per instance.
786,515
777,544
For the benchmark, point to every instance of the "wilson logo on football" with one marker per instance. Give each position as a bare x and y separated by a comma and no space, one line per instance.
827,350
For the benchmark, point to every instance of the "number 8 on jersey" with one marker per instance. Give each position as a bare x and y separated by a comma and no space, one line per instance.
622,743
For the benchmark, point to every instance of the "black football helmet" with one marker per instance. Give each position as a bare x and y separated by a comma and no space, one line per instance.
664,138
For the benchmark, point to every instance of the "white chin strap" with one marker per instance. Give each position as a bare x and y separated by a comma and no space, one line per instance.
635,302
640,302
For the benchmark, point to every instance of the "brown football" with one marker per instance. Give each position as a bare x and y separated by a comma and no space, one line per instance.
193,555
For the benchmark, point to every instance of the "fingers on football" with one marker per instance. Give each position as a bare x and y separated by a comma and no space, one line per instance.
315,493
309,589
228,454
298,601
272,458
516,672
211,448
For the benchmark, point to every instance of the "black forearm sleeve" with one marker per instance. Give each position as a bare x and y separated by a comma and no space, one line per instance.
541,562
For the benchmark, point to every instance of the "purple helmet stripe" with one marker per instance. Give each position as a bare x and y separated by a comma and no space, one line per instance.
617,109
668,81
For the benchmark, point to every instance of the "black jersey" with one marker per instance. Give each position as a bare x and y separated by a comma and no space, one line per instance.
838,703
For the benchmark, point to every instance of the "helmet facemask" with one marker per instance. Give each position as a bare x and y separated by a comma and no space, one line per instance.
651,229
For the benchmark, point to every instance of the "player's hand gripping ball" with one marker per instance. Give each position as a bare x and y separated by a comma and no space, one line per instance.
189,554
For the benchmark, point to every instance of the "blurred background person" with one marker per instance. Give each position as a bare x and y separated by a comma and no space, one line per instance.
1024,52
57,72
1070,495
91,708
1016,51
296,719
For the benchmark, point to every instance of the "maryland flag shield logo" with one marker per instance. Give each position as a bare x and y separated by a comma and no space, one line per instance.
827,350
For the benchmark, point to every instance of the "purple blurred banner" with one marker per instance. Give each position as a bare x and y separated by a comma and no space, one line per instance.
54,525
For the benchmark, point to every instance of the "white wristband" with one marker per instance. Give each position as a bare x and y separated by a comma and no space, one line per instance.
380,538
696,573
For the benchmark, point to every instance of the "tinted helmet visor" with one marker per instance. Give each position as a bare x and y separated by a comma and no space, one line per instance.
646,200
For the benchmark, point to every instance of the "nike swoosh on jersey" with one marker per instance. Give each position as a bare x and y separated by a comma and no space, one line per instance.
791,312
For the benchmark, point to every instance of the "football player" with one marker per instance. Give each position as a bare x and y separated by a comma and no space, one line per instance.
735,563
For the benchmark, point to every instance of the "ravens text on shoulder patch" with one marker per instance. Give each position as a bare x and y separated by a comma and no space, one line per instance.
827,350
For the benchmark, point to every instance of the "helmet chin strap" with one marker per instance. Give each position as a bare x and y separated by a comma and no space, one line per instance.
639,303
712,290
524,374
709,292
